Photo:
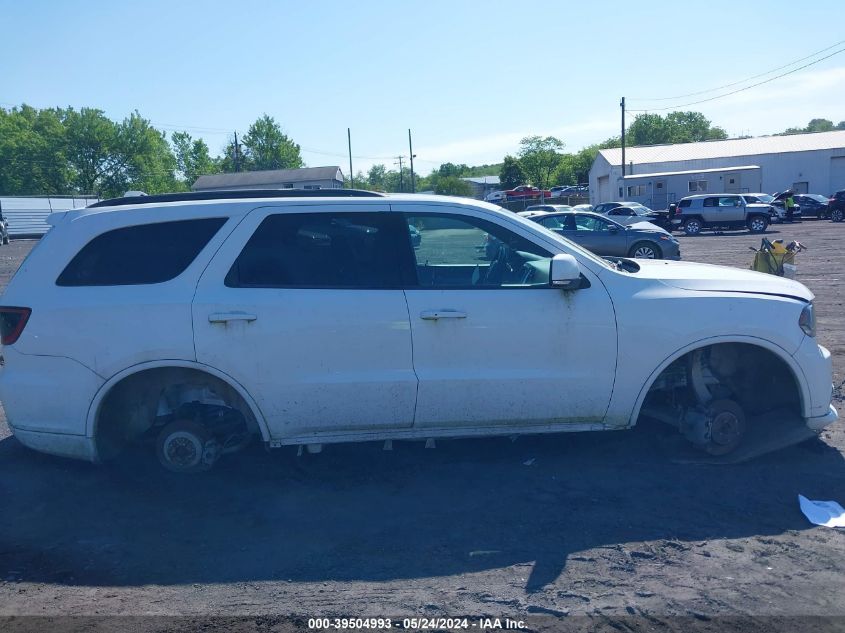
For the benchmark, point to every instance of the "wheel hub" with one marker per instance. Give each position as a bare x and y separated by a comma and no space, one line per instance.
183,450
725,429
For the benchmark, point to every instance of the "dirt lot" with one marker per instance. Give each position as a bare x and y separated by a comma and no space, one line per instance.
601,524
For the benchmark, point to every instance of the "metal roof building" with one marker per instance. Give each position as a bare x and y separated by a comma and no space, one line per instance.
482,185
305,178
807,163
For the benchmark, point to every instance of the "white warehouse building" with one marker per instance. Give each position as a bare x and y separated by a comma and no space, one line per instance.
657,175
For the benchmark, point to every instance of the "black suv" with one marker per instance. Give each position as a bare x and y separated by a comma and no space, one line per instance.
836,206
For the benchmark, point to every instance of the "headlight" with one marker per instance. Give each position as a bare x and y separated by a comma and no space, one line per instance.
807,320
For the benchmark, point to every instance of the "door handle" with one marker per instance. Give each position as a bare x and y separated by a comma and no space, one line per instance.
225,317
434,315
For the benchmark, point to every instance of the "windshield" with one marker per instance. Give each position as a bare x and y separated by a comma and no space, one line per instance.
638,209
817,197
763,197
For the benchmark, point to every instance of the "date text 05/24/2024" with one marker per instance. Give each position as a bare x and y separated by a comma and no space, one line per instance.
419,624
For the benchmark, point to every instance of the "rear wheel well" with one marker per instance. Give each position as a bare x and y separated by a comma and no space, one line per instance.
130,408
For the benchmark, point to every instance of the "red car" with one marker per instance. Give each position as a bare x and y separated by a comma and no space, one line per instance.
526,191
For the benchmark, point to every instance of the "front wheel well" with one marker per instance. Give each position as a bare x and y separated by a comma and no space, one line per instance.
130,408
755,377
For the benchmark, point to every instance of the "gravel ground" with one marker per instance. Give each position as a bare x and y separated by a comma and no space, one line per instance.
603,524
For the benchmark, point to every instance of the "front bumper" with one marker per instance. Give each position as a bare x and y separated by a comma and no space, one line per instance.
817,366
817,424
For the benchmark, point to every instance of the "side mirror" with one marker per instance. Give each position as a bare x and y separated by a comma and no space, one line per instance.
565,272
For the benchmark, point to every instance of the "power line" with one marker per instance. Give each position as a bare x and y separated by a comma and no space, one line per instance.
741,81
733,92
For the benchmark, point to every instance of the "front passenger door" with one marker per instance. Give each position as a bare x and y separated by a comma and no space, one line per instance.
494,343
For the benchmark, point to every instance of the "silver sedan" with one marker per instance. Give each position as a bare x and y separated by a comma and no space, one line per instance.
609,238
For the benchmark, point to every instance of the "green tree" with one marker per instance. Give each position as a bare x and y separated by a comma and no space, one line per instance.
447,170
360,181
675,127
511,174
540,157
816,125
453,186
376,176
149,163
192,158
32,152
267,147
93,151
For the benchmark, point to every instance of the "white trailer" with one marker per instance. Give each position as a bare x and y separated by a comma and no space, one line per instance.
27,216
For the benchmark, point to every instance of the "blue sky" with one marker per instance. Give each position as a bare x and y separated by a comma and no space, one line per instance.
469,78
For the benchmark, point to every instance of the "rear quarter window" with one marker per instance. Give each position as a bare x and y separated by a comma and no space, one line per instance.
142,254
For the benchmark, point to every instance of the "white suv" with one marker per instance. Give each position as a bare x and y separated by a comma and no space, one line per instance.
192,322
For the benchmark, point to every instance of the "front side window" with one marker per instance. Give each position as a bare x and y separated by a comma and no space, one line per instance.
592,224
142,254
562,223
729,201
463,252
322,250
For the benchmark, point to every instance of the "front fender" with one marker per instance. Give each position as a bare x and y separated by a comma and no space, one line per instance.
782,354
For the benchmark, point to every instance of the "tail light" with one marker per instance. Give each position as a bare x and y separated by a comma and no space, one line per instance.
12,322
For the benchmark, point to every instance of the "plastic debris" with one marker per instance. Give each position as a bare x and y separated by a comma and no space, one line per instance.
825,513
528,462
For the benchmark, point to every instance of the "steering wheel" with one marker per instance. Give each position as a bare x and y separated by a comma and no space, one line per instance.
500,266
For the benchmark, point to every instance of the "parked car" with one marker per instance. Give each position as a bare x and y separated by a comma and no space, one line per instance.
495,196
812,205
836,206
4,229
548,208
604,207
526,192
629,212
606,237
200,320
569,190
723,211
777,213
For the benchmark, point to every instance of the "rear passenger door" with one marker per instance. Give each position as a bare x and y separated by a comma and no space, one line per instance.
304,307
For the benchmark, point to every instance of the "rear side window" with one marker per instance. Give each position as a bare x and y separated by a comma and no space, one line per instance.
143,254
324,250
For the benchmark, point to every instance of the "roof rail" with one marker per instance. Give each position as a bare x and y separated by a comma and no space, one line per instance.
237,195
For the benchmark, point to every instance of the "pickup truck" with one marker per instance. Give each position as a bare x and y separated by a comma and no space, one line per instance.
526,191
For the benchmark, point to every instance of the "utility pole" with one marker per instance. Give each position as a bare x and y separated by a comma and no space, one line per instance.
411,153
622,105
349,142
236,158
401,181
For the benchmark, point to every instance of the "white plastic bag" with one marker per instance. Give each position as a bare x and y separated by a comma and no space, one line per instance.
826,513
